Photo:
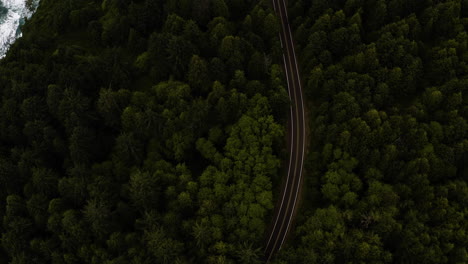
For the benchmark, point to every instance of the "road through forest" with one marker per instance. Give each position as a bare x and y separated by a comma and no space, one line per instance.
289,196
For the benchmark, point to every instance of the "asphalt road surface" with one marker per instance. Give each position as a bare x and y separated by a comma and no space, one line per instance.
288,199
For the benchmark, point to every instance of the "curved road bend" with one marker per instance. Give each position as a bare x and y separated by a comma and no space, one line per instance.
288,199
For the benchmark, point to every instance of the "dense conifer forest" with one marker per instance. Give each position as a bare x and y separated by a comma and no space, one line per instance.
141,132
154,131
387,169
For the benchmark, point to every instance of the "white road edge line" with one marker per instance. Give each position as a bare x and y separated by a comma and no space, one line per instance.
295,168
279,35
303,128
292,133
290,156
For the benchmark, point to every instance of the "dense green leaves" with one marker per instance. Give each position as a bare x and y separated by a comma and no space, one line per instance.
388,132
140,132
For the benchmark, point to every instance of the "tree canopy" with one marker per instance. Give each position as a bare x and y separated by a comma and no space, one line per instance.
145,131
386,82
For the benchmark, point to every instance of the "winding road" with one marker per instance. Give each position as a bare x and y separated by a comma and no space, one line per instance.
286,206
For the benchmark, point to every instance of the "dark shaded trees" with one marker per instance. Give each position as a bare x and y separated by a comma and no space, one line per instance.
388,132
123,129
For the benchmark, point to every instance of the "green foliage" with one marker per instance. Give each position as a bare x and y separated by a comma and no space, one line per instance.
140,132
388,132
